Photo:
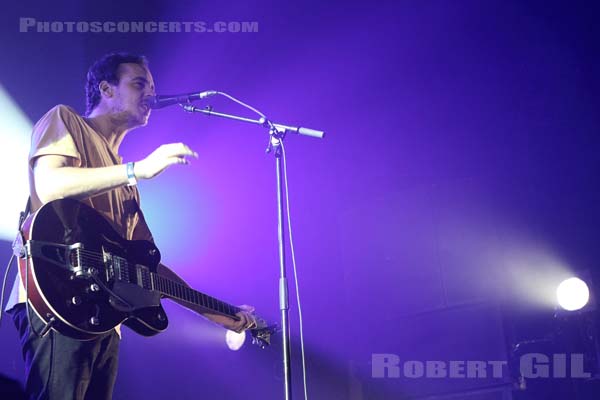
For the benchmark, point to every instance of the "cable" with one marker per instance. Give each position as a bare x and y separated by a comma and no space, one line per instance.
287,206
249,107
27,307
10,262
287,200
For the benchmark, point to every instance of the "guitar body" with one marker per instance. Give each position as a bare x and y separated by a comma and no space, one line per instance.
84,278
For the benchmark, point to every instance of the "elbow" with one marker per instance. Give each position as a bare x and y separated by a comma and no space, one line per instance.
47,187
47,195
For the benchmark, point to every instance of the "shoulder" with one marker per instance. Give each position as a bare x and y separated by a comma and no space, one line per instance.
59,118
56,133
62,111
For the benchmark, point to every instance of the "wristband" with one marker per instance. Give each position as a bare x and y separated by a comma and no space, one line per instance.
131,174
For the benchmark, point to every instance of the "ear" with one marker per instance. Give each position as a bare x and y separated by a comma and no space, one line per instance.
106,89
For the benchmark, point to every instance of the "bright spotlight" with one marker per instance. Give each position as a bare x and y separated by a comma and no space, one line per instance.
15,133
572,294
235,340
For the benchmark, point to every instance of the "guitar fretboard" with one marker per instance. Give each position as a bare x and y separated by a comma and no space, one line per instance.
189,295
143,277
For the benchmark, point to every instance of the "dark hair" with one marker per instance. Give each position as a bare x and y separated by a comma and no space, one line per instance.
105,69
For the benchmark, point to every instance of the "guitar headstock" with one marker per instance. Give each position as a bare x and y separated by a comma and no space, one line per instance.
261,334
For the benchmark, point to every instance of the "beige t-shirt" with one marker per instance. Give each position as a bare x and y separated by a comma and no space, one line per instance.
63,132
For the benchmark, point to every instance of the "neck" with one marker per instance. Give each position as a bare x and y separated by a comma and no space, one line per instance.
110,125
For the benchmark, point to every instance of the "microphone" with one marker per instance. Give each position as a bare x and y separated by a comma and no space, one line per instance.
157,102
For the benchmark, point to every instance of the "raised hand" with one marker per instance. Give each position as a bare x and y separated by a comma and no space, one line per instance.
162,158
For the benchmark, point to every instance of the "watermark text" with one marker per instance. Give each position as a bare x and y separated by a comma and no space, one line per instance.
532,365
32,25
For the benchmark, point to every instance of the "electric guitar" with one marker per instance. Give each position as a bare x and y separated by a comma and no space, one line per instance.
83,279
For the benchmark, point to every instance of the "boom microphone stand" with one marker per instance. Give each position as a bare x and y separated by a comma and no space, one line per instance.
276,134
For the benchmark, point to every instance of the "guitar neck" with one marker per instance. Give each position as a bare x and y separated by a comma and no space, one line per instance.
178,291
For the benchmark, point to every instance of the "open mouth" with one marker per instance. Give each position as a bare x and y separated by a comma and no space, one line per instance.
145,108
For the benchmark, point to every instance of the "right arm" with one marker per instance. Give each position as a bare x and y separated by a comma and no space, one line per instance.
56,177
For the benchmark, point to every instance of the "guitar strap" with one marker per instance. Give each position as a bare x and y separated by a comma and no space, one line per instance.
25,214
17,251
17,246
49,324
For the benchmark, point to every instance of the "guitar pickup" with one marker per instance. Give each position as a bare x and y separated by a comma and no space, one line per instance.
109,264
143,277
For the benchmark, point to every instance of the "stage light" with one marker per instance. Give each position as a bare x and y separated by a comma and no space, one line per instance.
15,130
234,340
572,294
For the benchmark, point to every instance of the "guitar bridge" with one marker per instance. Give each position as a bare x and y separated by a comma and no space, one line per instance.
75,260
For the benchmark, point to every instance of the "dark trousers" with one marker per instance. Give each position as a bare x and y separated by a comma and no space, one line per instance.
61,368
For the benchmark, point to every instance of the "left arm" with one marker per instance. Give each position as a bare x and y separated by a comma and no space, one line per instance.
246,321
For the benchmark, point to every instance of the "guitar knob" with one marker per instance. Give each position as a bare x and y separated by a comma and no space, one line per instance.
76,300
95,321
94,287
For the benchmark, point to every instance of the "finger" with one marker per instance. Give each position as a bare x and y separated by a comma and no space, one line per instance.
183,150
247,308
178,160
238,327
253,323
242,323
248,311
184,154
247,320
190,152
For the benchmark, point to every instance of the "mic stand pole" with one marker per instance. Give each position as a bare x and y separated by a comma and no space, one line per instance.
276,135
284,307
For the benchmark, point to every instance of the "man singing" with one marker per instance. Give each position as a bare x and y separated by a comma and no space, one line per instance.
78,157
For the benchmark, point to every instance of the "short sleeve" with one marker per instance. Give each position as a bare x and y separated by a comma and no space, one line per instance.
141,230
51,136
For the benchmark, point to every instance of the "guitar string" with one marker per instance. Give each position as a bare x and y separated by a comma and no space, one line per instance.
181,291
193,295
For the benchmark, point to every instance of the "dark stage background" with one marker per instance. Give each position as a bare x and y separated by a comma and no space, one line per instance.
456,186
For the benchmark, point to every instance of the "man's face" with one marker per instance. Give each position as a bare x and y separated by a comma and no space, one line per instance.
135,85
